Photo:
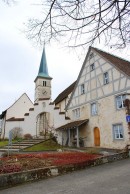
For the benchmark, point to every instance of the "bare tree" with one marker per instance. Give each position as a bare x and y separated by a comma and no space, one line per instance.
17,132
82,22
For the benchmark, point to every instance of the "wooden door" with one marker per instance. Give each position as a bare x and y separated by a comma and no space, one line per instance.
96,136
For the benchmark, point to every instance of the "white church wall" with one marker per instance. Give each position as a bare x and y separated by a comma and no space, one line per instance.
29,124
3,127
13,124
19,108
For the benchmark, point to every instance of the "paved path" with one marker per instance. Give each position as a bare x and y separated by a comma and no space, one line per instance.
112,178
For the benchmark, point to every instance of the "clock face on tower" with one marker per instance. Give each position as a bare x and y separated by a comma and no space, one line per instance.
44,92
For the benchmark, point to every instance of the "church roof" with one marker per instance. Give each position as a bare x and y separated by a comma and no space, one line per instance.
65,93
43,69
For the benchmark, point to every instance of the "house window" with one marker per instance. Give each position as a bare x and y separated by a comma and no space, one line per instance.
120,101
76,113
118,131
44,83
106,78
92,67
82,89
91,55
94,108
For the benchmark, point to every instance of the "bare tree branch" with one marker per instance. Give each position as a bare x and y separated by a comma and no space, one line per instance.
82,22
8,1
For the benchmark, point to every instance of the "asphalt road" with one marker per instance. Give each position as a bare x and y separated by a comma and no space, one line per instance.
112,178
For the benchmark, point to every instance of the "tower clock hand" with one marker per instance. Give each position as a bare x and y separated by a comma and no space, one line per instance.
44,92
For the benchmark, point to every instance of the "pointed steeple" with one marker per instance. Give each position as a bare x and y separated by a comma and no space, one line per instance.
43,69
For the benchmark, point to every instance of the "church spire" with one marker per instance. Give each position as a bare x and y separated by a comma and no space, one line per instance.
43,69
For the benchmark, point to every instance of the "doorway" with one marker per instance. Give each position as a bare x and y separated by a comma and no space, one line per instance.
96,136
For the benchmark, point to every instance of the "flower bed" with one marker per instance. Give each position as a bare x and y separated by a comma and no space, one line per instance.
23,162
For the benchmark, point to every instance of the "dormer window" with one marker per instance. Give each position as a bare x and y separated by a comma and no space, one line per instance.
91,55
44,83
82,89
92,67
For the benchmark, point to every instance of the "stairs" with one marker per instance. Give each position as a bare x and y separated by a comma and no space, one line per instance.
17,146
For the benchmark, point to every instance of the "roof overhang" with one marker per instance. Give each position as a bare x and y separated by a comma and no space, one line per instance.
15,119
43,77
73,124
3,114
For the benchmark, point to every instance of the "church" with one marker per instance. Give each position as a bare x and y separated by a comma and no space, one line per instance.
90,112
36,118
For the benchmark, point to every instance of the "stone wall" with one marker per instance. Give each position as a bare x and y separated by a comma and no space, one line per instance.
12,179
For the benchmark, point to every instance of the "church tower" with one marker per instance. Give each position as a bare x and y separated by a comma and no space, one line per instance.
42,81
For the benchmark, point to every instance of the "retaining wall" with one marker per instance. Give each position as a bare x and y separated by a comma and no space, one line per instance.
12,179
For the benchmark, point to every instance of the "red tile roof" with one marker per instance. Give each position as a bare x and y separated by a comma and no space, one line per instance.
119,63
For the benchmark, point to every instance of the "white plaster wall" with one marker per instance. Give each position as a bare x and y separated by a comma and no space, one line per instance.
29,123
11,124
2,127
107,116
20,107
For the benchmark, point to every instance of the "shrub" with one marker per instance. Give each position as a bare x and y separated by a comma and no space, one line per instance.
28,136
4,139
16,133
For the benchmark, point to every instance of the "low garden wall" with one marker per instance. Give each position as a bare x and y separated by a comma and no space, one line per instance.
12,179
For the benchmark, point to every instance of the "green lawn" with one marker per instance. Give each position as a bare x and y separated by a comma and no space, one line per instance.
47,145
3,143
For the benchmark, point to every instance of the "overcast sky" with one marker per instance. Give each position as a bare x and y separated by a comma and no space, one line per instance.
20,59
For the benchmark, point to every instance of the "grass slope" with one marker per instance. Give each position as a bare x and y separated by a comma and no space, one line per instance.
47,145
6,142
3,143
